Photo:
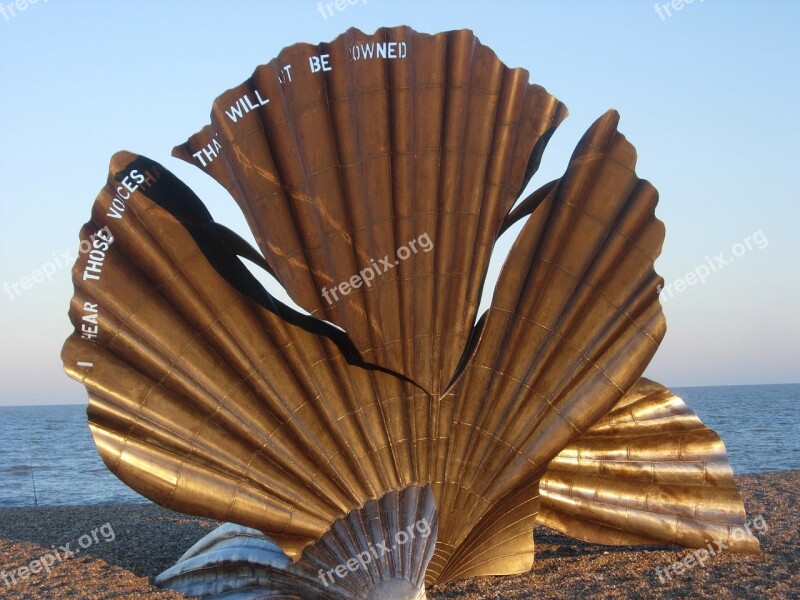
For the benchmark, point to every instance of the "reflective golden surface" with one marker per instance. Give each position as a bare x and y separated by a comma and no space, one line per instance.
649,472
210,397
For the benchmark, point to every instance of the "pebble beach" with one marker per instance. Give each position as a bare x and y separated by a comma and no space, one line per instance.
115,550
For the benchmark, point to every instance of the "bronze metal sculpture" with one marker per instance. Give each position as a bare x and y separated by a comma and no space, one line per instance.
376,173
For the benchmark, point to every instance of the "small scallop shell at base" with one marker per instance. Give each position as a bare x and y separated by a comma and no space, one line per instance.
210,397
379,551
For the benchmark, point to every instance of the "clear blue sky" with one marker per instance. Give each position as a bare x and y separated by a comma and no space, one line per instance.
709,95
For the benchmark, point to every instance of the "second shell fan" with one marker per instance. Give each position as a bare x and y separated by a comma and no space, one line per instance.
343,154
376,173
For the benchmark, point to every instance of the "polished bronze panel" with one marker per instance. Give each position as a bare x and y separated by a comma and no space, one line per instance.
648,472
340,168
210,397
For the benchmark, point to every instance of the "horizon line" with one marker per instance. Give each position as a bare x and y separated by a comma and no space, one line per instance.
671,388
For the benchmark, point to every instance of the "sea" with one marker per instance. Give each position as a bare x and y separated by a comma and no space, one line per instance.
47,456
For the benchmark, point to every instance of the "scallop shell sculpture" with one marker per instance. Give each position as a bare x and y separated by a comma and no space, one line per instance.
377,173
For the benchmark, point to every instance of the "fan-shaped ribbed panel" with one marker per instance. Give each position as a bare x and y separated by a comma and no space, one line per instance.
648,472
380,550
574,321
218,403
375,172
395,536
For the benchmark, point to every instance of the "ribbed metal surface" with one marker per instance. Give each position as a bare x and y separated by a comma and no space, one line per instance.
399,530
341,168
236,563
209,397
215,403
381,549
649,472
574,321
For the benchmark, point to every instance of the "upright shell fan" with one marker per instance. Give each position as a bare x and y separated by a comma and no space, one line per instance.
376,173
341,154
